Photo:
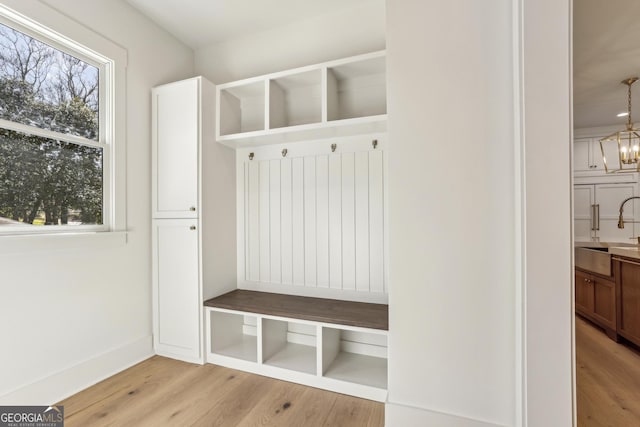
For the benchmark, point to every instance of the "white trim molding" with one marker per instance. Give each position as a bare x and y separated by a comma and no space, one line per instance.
62,384
39,19
397,415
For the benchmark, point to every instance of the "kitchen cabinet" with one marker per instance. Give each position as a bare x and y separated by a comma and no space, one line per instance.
596,211
627,273
188,222
587,156
596,300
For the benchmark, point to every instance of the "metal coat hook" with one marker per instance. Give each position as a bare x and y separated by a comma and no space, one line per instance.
374,143
333,147
251,156
284,152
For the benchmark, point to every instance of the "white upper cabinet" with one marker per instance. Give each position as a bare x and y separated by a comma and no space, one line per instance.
596,211
587,156
582,154
175,150
337,98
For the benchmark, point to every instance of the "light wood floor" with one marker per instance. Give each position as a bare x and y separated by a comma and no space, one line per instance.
164,392
607,379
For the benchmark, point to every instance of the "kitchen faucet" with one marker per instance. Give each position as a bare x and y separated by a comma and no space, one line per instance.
620,220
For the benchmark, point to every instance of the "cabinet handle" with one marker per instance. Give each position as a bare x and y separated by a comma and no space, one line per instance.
598,217
193,227
593,217
192,208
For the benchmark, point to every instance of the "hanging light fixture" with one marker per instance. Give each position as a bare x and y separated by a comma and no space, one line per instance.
627,142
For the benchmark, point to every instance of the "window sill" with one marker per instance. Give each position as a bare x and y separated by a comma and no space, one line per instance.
55,242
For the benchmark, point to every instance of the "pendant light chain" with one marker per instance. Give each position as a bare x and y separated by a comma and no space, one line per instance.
629,124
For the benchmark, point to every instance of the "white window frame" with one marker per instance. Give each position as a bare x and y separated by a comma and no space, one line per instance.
111,62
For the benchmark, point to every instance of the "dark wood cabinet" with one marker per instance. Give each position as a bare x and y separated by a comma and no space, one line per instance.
596,300
584,293
627,273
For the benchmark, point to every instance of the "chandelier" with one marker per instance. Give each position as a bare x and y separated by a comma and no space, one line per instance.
627,141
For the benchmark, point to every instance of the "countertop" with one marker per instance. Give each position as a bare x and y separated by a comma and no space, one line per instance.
627,250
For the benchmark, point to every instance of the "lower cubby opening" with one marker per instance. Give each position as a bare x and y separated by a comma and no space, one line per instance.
355,357
289,345
233,335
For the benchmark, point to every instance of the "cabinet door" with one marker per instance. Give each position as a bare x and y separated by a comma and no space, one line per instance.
604,307
175,150
582,155
608,199
610,151
584,199
587,155
176,288
628,289
584,294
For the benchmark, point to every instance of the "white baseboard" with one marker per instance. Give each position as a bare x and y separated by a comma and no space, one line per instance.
67,382
397,415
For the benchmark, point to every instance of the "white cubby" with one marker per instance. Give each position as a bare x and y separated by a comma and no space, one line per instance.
289,345
337,98
354,357
357,89
233,335
241,108
336,357
295,99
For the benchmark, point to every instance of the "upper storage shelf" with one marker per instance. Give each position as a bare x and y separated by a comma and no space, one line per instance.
337,98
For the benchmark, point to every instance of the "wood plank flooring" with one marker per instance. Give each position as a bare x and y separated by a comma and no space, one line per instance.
607,379
165,392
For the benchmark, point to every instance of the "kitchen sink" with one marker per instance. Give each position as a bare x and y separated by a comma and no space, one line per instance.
599,248
596,260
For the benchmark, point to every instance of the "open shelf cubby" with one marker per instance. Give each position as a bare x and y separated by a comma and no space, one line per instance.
332,344
355,357
337,98
295,99
233,335
289,345
357,89
242,108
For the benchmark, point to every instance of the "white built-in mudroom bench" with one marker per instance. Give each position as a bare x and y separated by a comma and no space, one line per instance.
269,224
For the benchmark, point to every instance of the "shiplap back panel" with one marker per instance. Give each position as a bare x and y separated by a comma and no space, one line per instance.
315,221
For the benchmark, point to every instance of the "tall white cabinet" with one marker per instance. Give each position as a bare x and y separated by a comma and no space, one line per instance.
596,210
190,241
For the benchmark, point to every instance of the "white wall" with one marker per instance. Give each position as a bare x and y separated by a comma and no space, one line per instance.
71,316
549,251
452,200
480,286
346,32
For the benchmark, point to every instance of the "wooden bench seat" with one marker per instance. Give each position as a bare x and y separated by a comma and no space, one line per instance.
349,313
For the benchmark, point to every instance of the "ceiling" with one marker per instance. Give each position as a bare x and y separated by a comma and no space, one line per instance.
199,23
606,50
606,44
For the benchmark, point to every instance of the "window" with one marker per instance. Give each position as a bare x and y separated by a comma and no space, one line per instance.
55,143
